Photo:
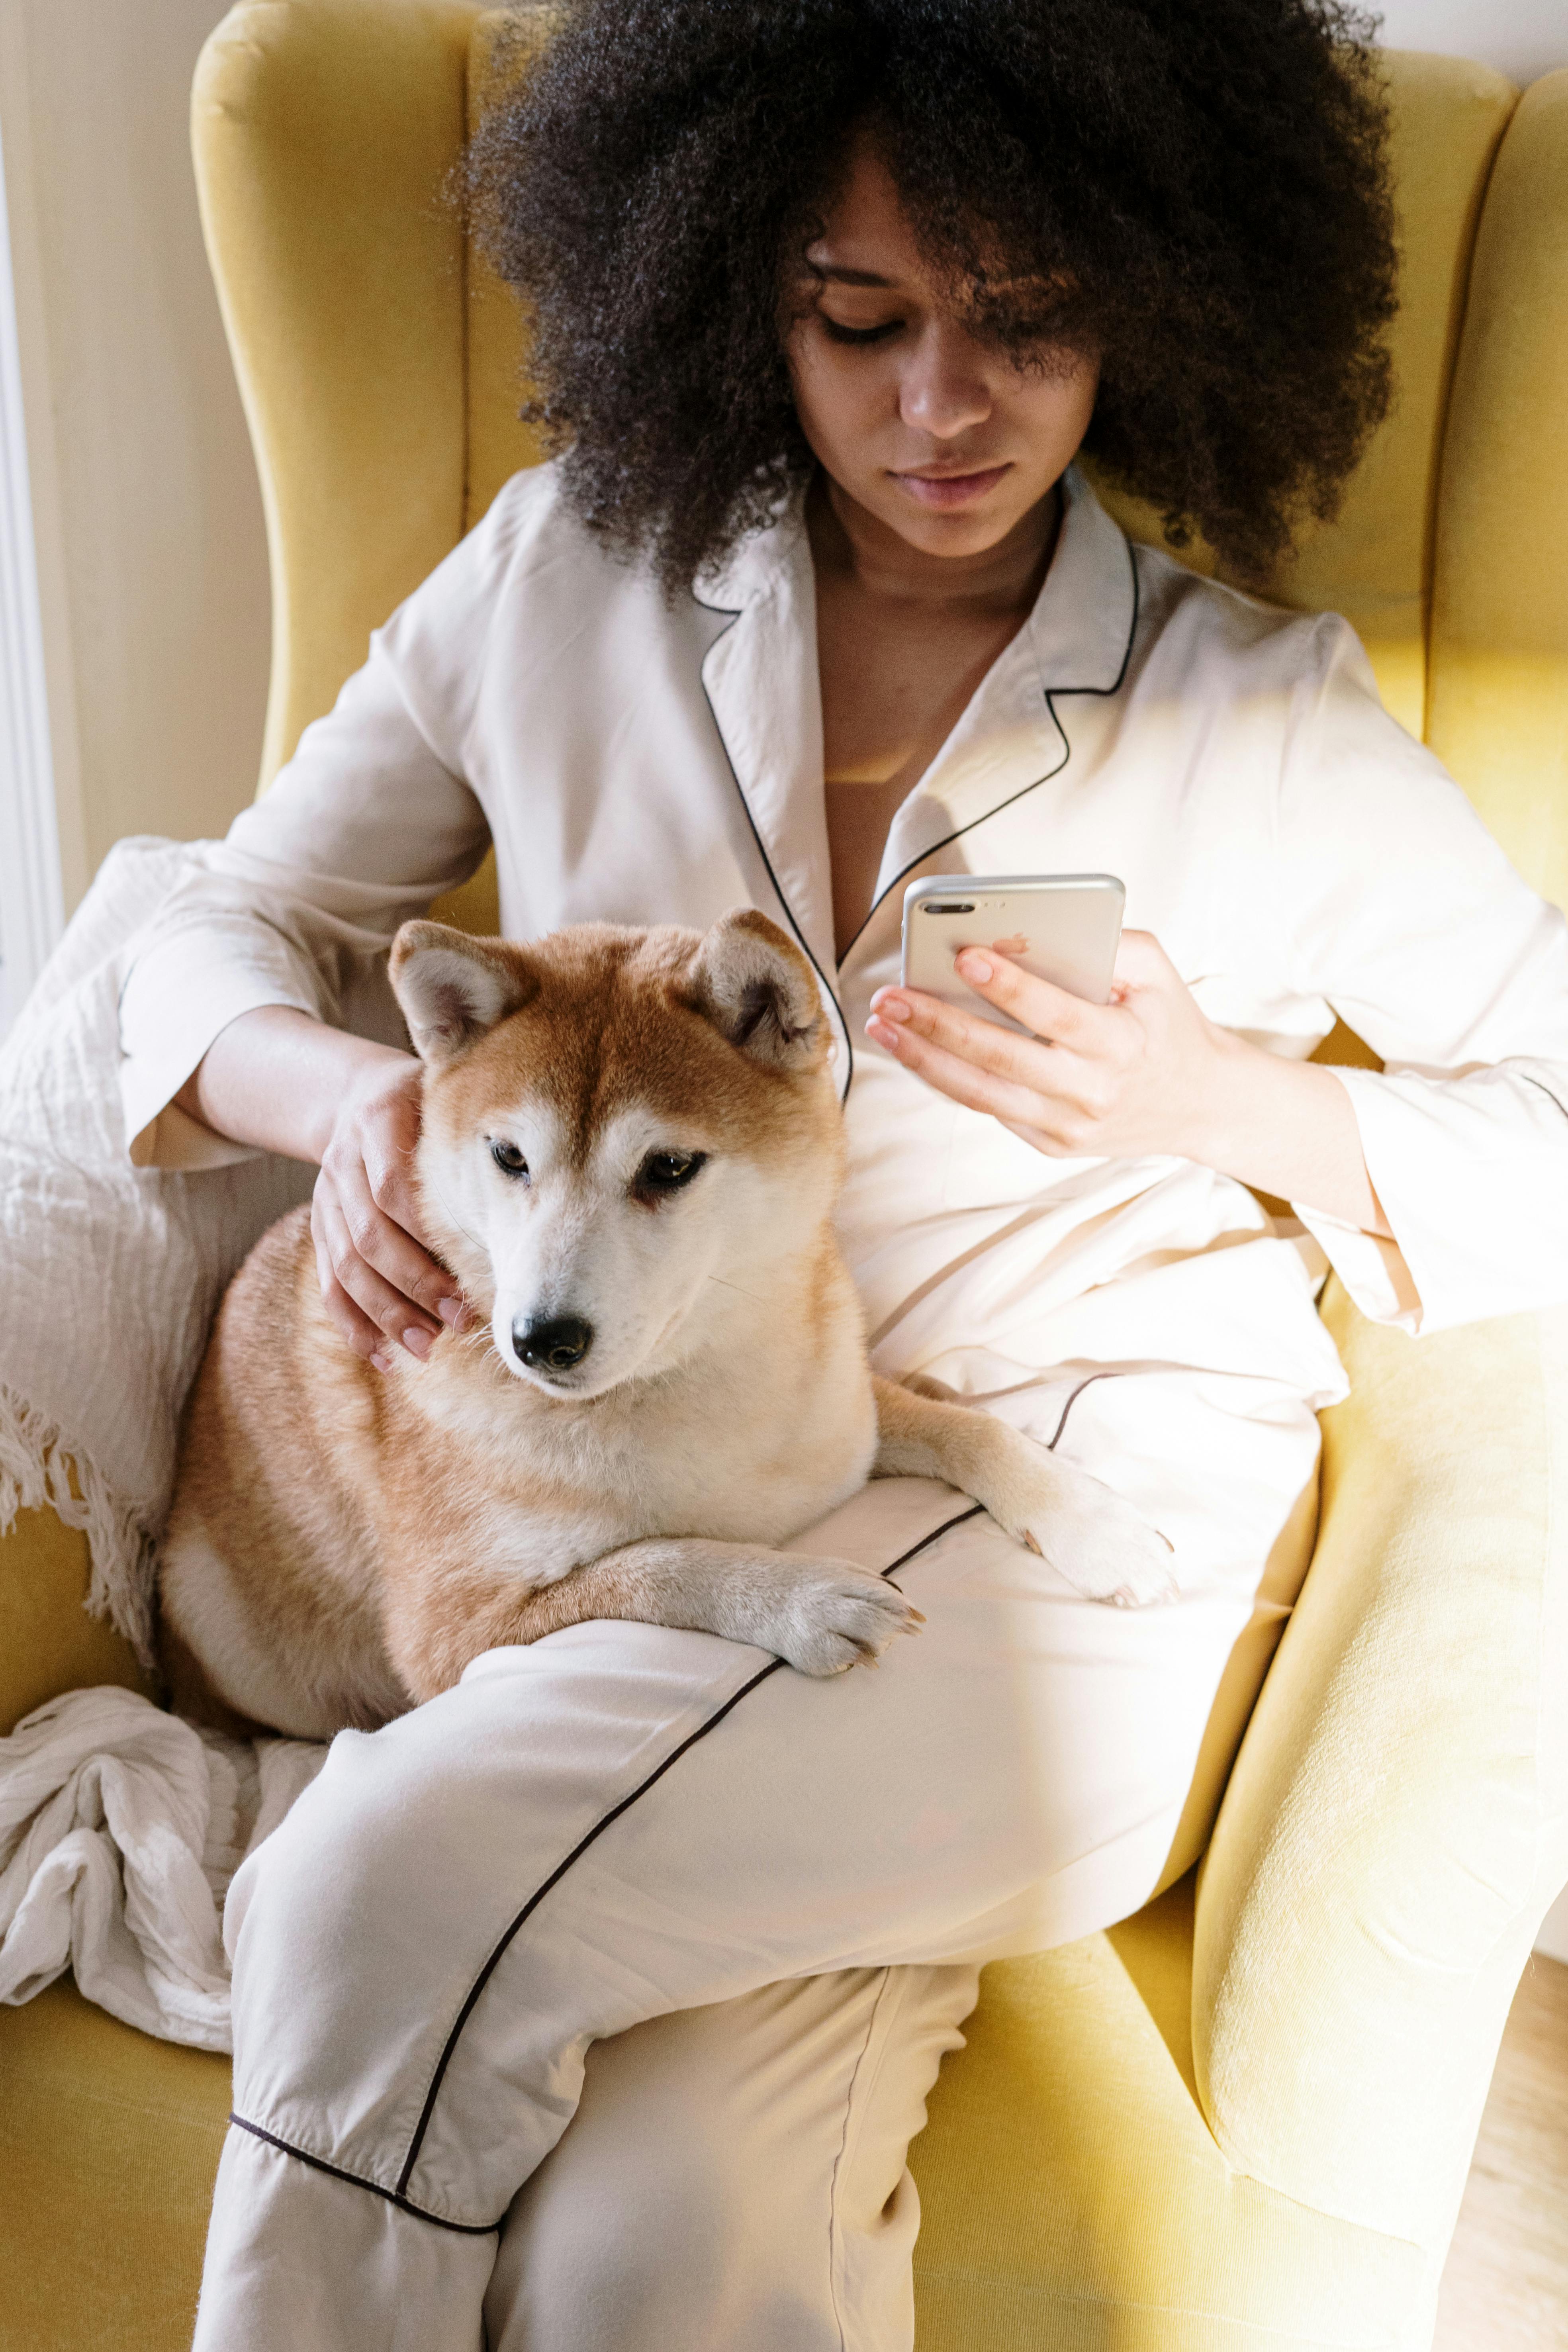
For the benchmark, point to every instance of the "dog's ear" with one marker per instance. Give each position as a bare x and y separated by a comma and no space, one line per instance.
453,988
759,991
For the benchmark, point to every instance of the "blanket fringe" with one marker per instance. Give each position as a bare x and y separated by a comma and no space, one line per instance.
40,1467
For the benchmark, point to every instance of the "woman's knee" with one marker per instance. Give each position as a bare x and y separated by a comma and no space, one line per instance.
617,2247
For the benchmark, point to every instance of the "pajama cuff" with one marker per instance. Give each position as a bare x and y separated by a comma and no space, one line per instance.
1470,1172
1373,1270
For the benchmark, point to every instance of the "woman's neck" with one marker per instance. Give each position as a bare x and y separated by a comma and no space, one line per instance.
856,545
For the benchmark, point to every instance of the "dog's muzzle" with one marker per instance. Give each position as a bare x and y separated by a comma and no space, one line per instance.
552,1344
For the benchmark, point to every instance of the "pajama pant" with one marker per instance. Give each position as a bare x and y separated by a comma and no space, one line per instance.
592,2006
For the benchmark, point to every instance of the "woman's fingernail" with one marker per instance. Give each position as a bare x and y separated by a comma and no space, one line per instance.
880,1034
975,967
383,1363
894,1008
451,1311
418,1342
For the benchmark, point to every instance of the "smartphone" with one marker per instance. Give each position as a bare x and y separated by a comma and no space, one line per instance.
1062,927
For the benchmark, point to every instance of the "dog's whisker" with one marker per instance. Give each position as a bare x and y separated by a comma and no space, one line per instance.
456,1220
723,1284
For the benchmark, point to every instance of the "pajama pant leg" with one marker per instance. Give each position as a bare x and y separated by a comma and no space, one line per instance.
764,2139
624,1821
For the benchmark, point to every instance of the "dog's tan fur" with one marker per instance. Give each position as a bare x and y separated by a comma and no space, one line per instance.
343,1543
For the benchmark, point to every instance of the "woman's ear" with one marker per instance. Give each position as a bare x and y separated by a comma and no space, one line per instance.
758,990
453,988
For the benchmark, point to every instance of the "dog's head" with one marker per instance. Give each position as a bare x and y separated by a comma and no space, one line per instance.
623,1129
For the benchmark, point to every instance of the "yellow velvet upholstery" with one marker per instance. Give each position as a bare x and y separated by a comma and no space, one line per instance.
109,2143
1238,2122
1497,694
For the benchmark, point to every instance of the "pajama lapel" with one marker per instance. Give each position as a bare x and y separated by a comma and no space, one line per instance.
760,676
1016,732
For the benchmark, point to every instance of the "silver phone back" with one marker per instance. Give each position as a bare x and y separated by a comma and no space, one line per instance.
1064,928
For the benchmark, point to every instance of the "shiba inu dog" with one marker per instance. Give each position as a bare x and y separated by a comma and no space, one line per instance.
630,1153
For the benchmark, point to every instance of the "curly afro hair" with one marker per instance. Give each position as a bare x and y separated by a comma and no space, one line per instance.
1205,182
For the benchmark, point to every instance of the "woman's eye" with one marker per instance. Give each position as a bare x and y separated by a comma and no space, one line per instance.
837,334
508,1158
667,1171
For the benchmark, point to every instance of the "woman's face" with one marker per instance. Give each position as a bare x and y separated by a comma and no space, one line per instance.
936,434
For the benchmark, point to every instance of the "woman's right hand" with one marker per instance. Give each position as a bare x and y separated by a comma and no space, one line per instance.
284,1081
379,1283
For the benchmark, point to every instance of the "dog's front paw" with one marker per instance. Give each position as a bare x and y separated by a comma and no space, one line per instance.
828,1615
1105,1549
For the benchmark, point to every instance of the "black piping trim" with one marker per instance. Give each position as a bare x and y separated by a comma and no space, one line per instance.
393,2197
1052,1442
558,1873
1541,1088
828,990
1051,693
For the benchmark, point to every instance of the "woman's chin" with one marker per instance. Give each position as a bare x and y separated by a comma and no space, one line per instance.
970,529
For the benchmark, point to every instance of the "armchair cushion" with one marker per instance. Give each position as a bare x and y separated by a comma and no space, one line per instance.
109,2143
1073,2196
1396,1822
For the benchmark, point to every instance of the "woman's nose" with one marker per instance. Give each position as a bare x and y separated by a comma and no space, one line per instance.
944,389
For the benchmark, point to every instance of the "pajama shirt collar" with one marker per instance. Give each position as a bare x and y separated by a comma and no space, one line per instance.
760,675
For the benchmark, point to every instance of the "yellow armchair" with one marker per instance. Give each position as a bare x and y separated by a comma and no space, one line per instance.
1243,2120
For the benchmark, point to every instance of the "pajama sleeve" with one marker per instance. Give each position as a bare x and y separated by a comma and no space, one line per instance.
374,817
1405,916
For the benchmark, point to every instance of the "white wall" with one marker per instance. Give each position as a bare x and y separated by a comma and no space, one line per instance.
31,911
151,558
1522,38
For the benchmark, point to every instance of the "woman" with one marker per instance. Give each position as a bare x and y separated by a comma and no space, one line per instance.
593,2004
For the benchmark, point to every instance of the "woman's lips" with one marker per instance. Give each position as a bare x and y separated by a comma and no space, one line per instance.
950,489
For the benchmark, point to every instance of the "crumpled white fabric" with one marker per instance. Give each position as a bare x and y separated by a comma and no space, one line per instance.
120,1827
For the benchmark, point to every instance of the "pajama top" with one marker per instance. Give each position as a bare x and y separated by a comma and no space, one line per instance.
638,759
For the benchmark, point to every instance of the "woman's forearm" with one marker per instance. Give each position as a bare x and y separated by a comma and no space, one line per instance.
276,1078
1290,1128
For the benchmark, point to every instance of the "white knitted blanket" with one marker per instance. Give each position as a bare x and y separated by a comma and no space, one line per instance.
120,1829
110,1275
117,1824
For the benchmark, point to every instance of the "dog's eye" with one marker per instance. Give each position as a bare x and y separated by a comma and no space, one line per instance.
509,1160
667,1171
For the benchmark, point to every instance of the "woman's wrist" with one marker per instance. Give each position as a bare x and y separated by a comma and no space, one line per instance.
1286,1128
1227,1116
278,1078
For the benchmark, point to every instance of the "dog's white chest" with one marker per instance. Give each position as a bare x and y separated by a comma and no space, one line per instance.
709,1459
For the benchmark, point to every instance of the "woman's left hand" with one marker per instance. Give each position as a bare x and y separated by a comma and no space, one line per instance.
1145,1075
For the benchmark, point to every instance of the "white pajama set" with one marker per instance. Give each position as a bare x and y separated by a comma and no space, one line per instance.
591,2006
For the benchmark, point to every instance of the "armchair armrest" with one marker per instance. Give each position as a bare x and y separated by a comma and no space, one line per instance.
1397,1823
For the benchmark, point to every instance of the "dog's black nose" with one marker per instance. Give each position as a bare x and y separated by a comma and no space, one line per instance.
552,1343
